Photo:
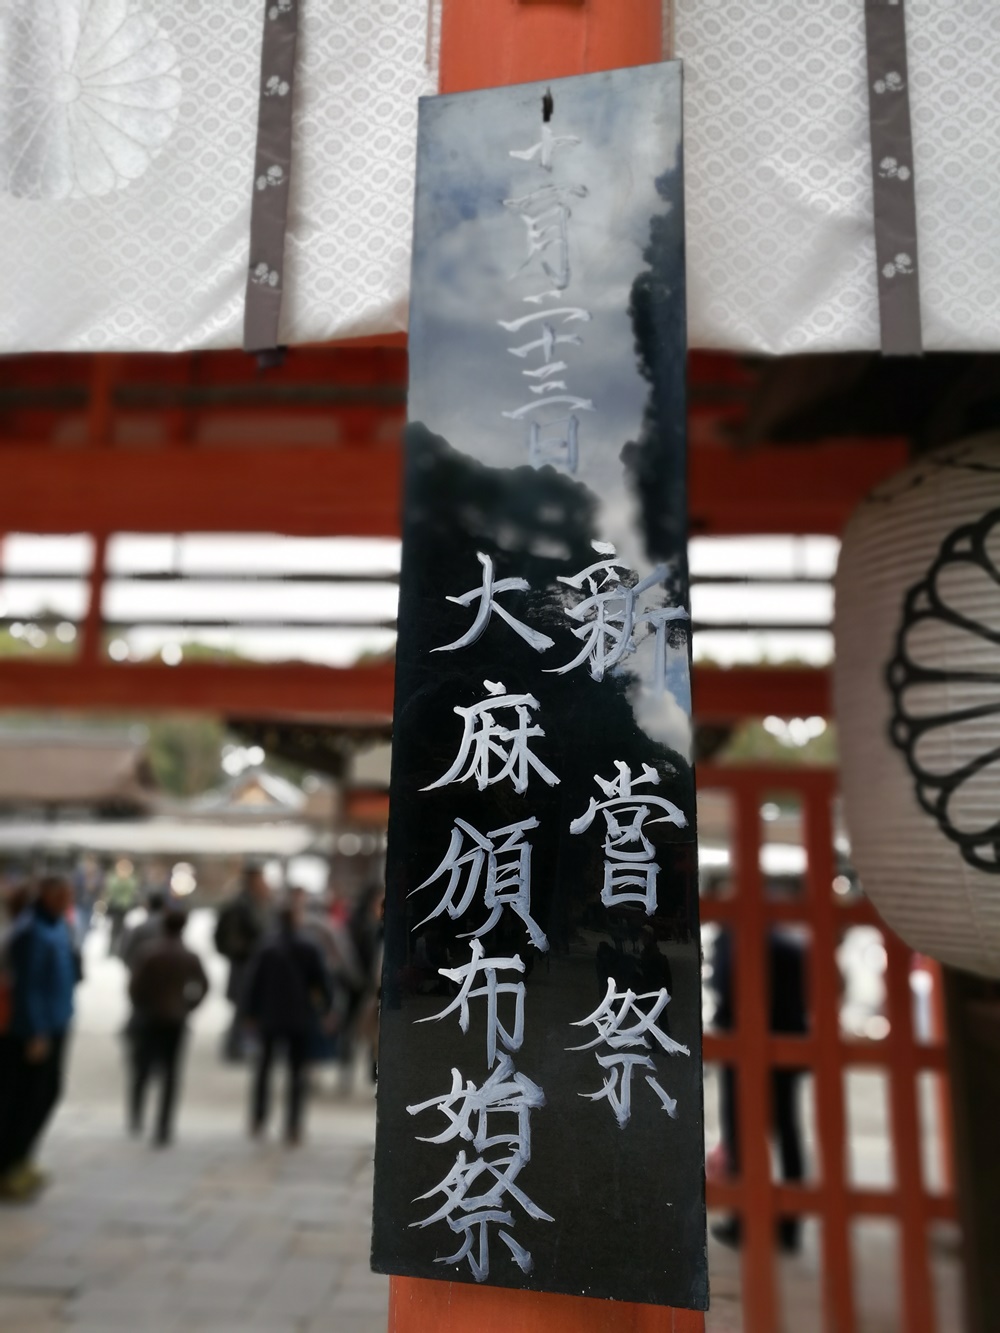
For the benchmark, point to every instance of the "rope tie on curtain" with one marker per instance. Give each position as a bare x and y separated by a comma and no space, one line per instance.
668,29
895,208
272,174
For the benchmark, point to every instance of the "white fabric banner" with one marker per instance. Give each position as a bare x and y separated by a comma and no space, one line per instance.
127,133
781,249
126,169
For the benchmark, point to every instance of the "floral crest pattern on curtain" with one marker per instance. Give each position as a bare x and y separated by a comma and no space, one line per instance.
127,134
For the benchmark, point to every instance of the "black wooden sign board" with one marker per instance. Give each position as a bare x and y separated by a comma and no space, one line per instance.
540,1097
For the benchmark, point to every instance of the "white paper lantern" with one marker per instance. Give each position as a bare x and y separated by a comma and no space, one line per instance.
917,694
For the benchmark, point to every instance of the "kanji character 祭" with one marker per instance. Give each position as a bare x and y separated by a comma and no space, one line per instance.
496,1120
474,1196
627,1026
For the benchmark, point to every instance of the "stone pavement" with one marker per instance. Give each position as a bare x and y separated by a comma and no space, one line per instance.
213,1235
221,1235
218,1235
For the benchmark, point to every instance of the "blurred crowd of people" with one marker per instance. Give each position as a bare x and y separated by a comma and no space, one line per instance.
303,985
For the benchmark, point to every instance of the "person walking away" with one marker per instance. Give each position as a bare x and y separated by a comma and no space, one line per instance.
328,939
288,991
43,975
16,900
241,927
167,984
121,894
86,891
133,941
364,930
349,982
789,1015
149,929
368,1019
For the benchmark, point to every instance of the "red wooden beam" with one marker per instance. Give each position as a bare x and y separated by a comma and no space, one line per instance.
808,1199
494,42
453,1307
808,1052
808,489
308,490
355,693
914,1276
753,1088
358,361
359,390
826,986
726,694
299,491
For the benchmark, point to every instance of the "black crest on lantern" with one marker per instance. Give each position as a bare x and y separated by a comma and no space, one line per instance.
946,715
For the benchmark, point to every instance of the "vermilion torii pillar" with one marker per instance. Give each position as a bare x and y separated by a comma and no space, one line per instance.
484,44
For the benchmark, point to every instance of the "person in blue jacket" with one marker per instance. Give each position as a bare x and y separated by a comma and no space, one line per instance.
43,972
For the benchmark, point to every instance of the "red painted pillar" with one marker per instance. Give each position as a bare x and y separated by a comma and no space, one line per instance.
486,43
100,435
416,1306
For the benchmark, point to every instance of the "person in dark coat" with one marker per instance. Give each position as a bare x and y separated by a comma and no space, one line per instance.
786,963
87,884
168,982
43,972
13,903
151,928
288,992
121,894
242,925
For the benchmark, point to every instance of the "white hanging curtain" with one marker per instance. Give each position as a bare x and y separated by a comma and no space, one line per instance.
127,132
127,136
781,252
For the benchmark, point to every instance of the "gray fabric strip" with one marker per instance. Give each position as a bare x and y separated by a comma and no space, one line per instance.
272,171
893,178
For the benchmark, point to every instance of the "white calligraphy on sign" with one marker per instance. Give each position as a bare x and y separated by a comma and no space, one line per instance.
545,213
546,148
627,1030
472,1205
491,752
477,1191
486,596
469,1110
612,613
630,868
506,858
552,438
491,989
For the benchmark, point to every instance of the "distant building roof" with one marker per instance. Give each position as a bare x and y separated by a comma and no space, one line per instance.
161,836
253,794
93,769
